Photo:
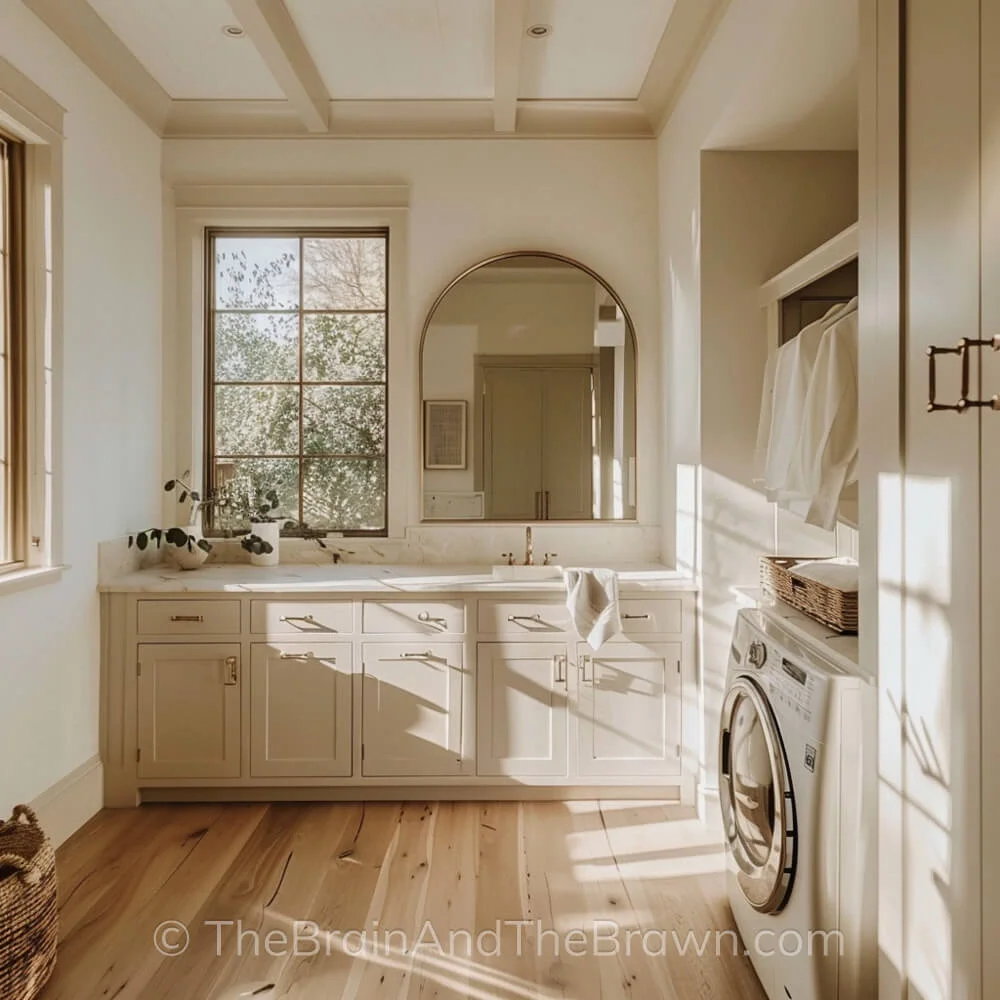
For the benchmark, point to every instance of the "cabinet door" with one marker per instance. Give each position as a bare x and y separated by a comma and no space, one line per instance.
301,710
522,708
512,445
629,708
189,710
411,709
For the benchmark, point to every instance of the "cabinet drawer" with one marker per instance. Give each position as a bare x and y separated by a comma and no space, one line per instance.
524,618
641,617
296,618
418,617
189,618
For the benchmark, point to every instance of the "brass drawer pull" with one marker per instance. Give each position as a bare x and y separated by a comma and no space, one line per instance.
187,618
426,618
636,618
296,618
416,656
535,619
305,656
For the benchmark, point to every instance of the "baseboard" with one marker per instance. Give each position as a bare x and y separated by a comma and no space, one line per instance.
72,801
415,793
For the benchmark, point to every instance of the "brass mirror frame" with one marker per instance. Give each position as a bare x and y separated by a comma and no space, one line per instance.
629,325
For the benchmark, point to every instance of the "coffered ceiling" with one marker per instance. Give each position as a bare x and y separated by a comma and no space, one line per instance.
390,67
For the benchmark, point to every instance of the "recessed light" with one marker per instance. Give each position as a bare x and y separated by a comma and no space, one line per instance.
233,30
539,31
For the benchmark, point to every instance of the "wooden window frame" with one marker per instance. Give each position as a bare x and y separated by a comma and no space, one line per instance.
210,382
13,553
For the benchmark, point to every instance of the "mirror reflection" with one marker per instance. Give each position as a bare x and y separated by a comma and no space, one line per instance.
528,396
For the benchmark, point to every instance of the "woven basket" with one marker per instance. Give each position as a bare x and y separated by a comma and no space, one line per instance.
29,915
837,609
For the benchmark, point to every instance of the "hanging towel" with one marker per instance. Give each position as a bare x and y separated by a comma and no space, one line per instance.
592,600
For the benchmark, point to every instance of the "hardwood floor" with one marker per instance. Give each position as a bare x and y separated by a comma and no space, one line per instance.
425,881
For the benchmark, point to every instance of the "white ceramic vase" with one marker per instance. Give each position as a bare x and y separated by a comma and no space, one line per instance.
188,558
270,532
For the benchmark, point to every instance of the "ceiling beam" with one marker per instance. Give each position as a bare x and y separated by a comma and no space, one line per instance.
80,27
690,28
508,31
277,39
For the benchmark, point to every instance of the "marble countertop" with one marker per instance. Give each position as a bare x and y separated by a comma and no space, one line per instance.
368,579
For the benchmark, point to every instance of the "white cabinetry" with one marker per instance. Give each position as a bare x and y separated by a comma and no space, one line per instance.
629,709
372,695
300,710
522,708
411,721
189,710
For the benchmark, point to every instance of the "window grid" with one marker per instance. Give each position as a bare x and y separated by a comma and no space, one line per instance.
301,383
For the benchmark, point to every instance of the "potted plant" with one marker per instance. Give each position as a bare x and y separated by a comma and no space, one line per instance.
186,545
265,527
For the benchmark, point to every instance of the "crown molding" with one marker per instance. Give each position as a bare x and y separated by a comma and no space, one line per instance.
689,29
409,119
189,197
277,39
78,25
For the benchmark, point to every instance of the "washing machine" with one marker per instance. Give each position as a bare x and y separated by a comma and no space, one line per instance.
800,861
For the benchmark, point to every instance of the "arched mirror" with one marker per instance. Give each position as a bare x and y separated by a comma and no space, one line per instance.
528,370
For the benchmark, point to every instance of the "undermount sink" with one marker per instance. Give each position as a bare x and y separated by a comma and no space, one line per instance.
527,572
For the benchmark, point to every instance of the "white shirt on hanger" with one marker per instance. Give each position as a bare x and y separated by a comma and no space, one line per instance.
786,385
828,443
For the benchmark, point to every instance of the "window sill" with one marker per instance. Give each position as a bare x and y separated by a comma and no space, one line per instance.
25,579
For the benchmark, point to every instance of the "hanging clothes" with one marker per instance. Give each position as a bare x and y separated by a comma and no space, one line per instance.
828,443
786,385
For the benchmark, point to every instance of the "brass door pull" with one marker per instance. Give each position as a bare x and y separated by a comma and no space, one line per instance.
932,354
232,671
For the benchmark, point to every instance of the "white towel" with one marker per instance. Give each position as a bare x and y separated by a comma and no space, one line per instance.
592,599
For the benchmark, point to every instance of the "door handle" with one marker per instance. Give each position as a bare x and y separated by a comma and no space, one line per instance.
994,344
932,355
232,671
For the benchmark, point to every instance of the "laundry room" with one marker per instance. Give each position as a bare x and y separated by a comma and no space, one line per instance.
494,499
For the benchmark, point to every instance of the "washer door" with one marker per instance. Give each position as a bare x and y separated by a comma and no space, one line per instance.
758,807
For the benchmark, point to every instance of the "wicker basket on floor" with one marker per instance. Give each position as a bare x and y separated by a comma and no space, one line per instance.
837,609
29,915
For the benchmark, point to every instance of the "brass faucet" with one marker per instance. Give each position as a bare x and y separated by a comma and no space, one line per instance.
529,551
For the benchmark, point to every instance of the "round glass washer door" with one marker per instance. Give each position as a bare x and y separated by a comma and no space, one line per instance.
758,805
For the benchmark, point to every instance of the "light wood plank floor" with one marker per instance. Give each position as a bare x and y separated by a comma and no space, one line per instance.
429,874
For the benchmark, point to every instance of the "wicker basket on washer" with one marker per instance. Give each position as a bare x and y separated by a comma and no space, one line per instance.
837,609
29,915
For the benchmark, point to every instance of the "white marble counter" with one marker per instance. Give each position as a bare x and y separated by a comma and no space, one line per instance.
368,579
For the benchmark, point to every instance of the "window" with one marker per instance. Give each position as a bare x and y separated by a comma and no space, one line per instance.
13,411
296,374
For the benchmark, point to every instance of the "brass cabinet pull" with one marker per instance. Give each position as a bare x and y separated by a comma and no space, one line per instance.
994,344
232,671
308,655
559,664
535,619
932,404
636,618
584,660
964,350
427,618
417,656
187,618
296,618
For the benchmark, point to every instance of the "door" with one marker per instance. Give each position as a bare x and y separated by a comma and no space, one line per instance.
411,709
757,798
189,710
512,444
301,710
629,709
522,698
568,444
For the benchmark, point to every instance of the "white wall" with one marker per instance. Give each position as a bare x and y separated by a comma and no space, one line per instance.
49,636
592,200
760,212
